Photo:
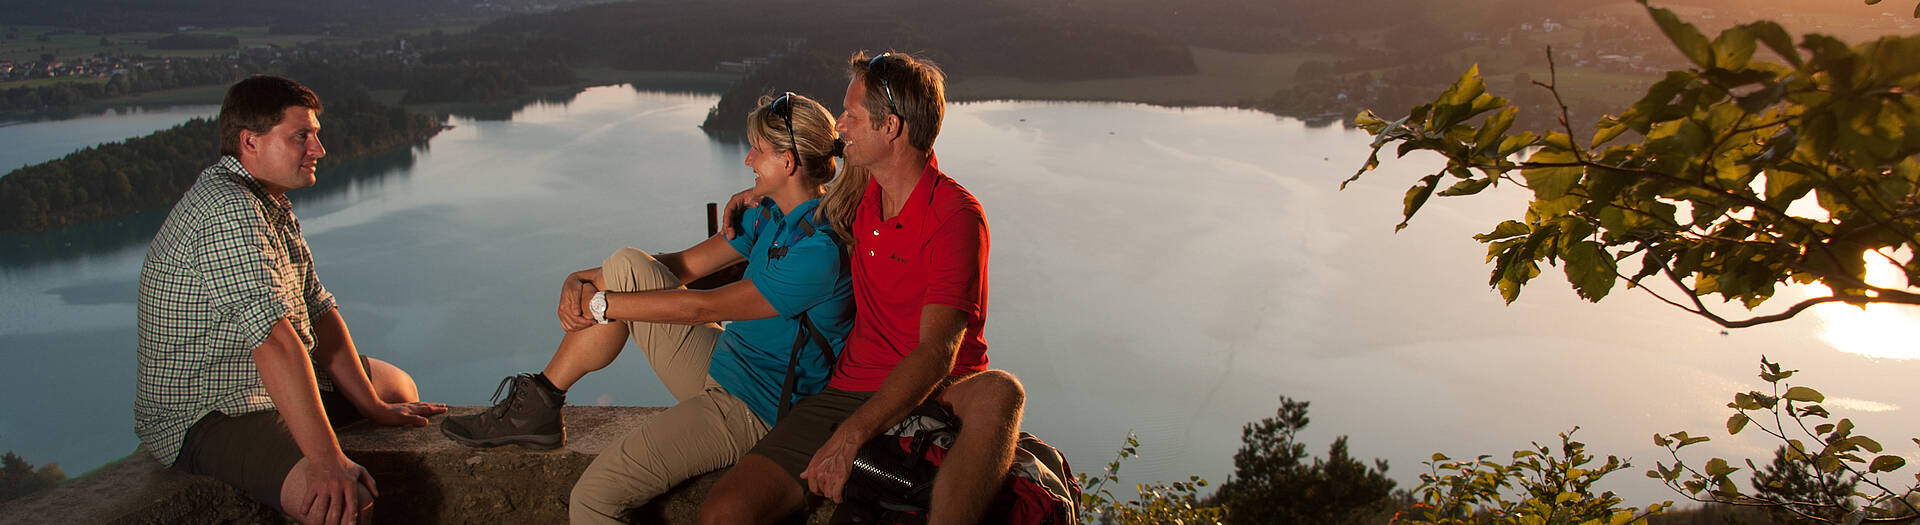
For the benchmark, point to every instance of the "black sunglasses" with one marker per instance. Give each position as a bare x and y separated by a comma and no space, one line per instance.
875,69
784,107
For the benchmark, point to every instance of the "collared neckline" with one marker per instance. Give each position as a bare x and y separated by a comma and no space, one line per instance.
922,192
232,165
790,218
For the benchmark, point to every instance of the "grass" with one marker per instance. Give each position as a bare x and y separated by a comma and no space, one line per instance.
37,82
75,43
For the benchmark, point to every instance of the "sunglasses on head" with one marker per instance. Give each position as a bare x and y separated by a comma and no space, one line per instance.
876,68
783,106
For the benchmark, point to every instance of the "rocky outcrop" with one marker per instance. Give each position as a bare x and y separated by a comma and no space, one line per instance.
423,478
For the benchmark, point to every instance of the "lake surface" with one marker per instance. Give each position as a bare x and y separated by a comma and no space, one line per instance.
1164,271
34,142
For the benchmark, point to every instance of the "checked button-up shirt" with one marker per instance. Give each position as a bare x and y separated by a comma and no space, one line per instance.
228,263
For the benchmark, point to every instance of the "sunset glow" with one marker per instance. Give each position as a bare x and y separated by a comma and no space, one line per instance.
1879,330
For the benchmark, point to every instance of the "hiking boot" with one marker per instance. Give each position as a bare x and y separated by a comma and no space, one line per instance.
529,416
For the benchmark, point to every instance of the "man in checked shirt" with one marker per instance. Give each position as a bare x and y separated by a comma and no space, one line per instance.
246,366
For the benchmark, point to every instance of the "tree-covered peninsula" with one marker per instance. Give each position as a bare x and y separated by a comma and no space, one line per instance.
150,172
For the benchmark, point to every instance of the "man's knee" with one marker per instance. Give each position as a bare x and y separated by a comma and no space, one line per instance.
390,383
987,394
756,490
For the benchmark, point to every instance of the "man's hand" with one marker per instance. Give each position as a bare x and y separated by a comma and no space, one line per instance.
333,495
827,474
740,201
574,294
405,414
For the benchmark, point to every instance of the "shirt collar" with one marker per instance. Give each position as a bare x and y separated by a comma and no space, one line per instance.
788,219
918,198
231,164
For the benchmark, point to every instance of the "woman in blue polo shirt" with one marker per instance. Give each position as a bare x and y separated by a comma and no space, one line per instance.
791,313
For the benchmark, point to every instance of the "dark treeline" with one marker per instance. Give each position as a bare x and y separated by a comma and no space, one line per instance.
998,37
818,76
180,72
335,17
152,171
439,78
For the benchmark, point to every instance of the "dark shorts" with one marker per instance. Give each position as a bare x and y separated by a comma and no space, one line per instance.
254,451
797,436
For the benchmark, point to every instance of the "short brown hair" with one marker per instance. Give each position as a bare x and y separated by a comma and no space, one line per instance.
255,104
918,89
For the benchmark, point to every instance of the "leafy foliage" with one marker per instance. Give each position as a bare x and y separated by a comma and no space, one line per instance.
1787,480
1543,485
19,478
1175,503
1743,175
1273,483
1842,460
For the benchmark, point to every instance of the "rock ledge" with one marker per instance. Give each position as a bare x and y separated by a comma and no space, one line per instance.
423,478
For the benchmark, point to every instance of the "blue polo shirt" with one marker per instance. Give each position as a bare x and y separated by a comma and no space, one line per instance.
796,273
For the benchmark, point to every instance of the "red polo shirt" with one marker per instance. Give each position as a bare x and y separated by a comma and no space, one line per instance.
933,252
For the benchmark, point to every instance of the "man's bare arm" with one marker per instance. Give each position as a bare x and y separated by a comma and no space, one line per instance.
287,373
336,353
941,329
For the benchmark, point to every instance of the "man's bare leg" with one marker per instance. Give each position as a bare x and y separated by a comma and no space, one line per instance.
989,405
756,491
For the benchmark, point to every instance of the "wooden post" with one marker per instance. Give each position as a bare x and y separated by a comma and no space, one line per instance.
713,219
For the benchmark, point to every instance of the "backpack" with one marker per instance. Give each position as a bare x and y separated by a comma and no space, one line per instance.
892,477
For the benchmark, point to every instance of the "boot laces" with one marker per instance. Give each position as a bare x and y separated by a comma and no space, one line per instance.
512,400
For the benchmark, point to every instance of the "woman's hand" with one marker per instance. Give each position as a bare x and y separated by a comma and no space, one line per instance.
574,292
740,201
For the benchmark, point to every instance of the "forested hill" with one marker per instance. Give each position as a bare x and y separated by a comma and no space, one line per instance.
150,172
991,37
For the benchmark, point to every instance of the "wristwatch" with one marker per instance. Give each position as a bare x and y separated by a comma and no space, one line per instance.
599,306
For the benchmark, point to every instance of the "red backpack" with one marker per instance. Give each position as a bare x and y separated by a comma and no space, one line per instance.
892,478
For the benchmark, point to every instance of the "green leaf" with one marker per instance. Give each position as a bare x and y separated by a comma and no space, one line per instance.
1589,269
1467,187
1493,132
1737,422
1380,140
1805,395
1549,183
1515,143
1718,467
1457,103
1416,197
1687,38
1607,130
1733,48
1440,457
1865,443
1777,39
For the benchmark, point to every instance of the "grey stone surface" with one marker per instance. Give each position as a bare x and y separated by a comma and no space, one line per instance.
423,478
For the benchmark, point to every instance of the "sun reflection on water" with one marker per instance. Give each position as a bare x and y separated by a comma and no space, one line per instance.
1881,330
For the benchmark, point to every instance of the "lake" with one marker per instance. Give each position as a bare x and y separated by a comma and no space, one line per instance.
1170,272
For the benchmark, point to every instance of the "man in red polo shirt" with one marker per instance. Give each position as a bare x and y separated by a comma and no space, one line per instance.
918,245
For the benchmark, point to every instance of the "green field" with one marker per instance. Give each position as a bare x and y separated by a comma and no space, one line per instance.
73,43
